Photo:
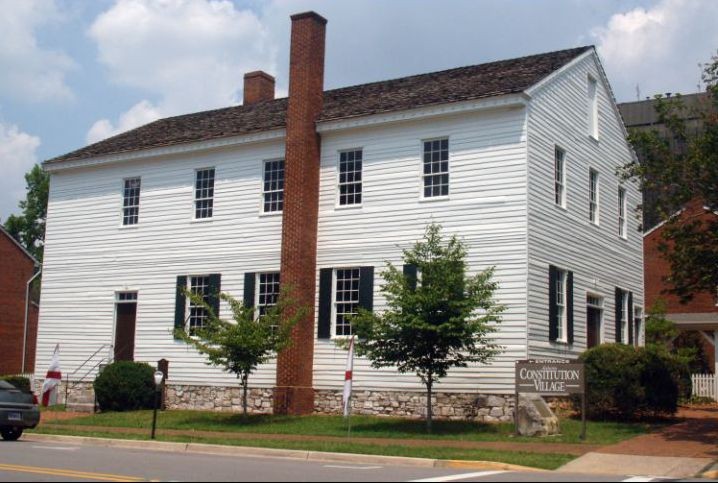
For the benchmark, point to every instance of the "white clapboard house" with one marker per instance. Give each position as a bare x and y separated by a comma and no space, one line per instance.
518,157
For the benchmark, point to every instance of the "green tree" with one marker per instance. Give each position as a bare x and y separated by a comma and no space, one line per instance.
241,345
438,320
29,227
677,165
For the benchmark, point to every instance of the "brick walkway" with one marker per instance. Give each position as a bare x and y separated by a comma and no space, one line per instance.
695,437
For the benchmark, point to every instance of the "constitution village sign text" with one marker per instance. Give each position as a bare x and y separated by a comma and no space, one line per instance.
552,378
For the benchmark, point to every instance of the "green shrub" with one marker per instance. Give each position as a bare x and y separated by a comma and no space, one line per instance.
22,383
125,386
625,382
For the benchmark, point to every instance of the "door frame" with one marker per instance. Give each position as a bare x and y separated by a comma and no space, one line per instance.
115,303
602,321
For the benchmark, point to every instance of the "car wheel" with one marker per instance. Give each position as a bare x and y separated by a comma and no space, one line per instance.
11,434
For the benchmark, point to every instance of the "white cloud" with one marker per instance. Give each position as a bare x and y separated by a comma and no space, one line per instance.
189,54
30,71
17,156
141,113
658,48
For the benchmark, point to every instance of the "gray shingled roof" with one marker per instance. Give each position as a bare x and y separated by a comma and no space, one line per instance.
461,84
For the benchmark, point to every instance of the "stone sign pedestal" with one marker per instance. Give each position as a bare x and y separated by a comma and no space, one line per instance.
535,417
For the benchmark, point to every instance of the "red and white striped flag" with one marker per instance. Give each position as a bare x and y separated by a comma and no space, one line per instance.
52,380
348,379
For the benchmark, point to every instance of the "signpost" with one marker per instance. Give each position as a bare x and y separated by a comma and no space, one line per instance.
551,378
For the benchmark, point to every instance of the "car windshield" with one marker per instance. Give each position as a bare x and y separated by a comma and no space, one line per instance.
6,385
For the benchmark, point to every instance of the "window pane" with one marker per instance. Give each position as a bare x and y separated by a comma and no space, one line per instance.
346,298
197,313
204,193
436,168
273,191
350,177
131,202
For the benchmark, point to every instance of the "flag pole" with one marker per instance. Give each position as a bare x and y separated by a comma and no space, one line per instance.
348,382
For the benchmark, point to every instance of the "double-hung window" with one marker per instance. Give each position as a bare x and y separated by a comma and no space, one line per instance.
560,177
198,285
436,168
346,299
204,193
622,219
131,202
350,177
561,309
593,196
273,187
637,325
623,317
267,292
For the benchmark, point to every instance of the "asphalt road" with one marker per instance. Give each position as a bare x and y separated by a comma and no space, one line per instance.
36,461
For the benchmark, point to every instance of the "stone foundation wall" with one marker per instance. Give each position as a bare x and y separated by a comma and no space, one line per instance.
449,406
211,398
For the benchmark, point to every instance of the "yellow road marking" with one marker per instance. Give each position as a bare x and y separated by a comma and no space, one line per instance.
68,473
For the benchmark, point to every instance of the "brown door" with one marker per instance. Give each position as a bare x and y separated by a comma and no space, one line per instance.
125,331
593,326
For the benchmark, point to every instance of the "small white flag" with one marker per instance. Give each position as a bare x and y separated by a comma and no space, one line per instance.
52,380
348,379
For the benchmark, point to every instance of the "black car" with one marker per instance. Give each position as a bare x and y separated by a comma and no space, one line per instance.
18,411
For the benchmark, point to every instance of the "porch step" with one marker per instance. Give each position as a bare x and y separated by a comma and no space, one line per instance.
81,407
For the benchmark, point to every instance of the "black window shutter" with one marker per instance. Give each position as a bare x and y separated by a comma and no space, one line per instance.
324,329
630,318
552,308
411,274
215,286
180,301
249,290
619,308
569,305
366,288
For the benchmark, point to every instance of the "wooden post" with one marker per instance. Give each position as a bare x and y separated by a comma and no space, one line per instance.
715,371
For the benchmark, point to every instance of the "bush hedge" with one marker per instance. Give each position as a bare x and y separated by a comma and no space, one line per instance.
625,382
125,386
22,383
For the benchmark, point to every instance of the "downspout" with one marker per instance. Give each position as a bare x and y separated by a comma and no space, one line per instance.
27,315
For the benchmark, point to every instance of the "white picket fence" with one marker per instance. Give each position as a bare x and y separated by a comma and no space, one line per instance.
705,385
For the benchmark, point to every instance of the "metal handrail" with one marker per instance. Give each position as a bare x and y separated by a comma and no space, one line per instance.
75,383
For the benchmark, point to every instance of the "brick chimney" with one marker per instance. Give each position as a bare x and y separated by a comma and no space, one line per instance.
258,87
294,393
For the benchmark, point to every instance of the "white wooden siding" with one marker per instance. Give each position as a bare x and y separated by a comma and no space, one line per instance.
599,258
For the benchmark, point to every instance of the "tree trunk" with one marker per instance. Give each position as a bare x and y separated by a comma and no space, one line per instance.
245,383
429,409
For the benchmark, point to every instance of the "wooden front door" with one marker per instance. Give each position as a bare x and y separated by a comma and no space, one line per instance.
593,326
125,331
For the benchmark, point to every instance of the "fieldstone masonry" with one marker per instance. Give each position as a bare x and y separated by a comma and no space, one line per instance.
448,406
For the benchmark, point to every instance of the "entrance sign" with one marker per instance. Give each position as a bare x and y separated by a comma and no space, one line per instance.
552,378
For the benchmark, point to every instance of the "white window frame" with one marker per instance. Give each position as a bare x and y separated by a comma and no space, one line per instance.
559,177
360,183
265,192
123,215
638,315
624,317
447,173
594,196
561,303
258,291
622,212
592,97
197,199
597,303
189,305
335,302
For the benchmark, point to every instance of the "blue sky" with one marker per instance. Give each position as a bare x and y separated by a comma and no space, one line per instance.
75,71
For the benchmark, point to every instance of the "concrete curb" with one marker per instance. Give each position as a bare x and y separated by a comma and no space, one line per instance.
248,451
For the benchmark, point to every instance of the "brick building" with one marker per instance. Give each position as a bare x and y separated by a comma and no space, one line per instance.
17,268
701,313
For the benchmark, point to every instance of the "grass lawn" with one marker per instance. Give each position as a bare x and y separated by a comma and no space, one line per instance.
542,461
362,426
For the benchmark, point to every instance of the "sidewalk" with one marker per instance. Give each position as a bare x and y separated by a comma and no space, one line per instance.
680,450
